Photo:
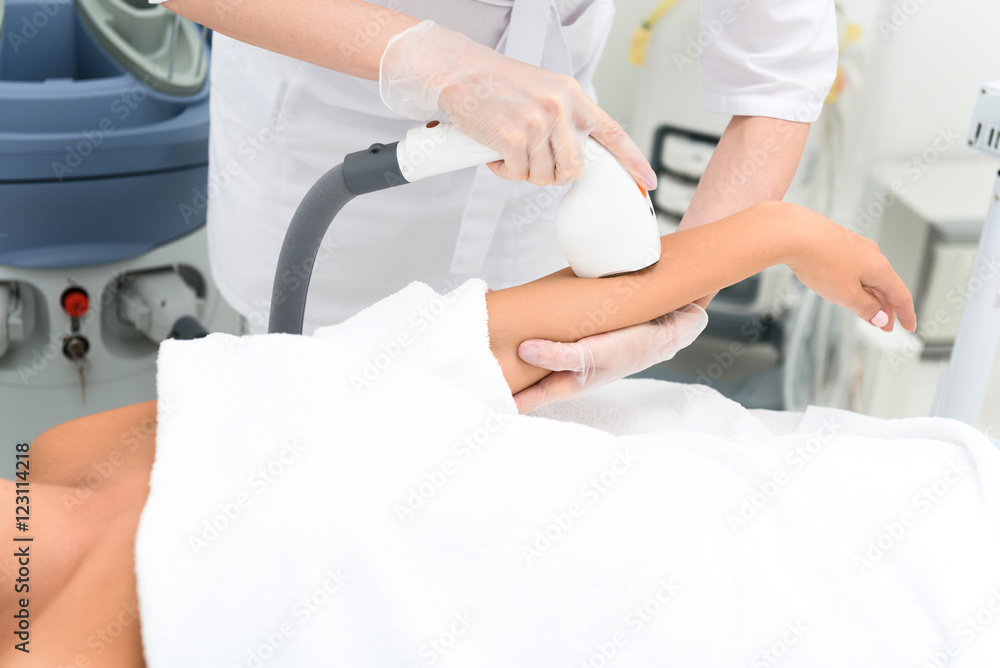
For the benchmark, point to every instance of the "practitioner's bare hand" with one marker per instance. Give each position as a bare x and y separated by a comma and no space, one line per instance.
600,359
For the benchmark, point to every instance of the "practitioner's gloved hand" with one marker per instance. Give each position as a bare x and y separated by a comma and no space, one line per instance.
538,121
600,359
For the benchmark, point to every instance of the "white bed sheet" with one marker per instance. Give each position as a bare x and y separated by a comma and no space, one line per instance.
417,521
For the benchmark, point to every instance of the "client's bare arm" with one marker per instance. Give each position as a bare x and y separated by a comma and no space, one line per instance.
837,264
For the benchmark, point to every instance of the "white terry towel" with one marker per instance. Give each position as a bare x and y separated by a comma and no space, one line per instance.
298,518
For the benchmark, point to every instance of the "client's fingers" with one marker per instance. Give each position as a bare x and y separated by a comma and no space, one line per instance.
880,304
868,307
893,295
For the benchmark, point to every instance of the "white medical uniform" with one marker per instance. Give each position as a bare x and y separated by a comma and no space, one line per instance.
279,123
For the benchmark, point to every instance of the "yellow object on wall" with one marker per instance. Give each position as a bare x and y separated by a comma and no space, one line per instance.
639,45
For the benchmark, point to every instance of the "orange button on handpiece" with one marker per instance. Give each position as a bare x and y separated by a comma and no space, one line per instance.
75,302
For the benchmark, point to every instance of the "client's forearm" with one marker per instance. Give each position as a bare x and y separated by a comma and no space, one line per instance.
695,262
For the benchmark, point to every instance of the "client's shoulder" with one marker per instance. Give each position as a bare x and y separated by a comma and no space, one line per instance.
95,445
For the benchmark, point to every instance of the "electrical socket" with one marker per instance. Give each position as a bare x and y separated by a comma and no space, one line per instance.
984,130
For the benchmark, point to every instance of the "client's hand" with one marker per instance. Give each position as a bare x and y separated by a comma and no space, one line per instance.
849,270
600,359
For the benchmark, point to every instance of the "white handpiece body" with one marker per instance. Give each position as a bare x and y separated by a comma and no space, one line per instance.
605,222
438,148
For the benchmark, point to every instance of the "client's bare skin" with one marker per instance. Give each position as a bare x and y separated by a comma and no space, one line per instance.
82,564
837,264
83,588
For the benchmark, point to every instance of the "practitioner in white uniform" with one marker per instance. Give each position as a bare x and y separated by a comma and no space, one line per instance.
296,86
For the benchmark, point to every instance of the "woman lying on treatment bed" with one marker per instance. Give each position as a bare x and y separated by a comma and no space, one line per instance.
83,604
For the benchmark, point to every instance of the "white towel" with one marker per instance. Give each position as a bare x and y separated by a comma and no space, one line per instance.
297,517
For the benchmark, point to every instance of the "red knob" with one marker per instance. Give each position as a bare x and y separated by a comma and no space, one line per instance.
75,302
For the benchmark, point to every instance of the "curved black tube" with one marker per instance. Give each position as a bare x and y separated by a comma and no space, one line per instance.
361,172
298,251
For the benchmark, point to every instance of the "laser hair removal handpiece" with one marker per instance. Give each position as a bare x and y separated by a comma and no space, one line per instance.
605,222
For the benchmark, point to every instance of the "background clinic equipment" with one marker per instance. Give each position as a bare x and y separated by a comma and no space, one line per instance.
963,386
666,119
103,180
605,222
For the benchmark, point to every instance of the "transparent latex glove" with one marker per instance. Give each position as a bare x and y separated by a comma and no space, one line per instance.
600,359
538,121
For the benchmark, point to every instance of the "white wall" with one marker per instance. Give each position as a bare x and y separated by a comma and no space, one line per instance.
616,80
926,70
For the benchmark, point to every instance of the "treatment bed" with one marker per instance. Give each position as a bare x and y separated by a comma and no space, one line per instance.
369,496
